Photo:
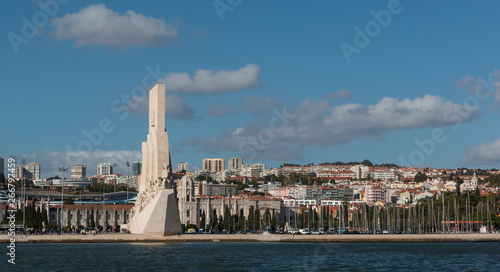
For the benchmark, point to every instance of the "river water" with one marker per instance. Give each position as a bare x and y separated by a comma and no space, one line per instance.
475,256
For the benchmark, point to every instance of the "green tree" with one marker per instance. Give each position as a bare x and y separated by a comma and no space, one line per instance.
367,163
69,200
92,220
267,219
38,218
281,178
45,217
213,222
242,186
241,222
220,223
227,218
420,177
203,220
251,218
274,222
204,177
258,220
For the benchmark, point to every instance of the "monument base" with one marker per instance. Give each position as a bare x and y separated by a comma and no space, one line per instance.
159,217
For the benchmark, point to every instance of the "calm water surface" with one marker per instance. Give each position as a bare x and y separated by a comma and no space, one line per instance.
256,257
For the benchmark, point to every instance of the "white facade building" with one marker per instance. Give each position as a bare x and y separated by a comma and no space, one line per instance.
78,171
235,163
182,166
213,165
34,170
104,169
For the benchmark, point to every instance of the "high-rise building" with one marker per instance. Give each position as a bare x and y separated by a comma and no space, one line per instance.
2,165
259,166
182,166
104,169
21,172
235,163
136,168
213,165
78,171
34,170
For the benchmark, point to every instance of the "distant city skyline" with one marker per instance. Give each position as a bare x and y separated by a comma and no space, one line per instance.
402,82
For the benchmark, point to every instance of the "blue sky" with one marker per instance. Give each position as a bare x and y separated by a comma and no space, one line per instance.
233,68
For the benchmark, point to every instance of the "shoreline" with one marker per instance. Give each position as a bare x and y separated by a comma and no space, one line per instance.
258,238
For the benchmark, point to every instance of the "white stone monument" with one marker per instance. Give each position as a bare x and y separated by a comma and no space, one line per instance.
155,211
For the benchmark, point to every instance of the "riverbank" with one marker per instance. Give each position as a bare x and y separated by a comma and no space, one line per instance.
285,238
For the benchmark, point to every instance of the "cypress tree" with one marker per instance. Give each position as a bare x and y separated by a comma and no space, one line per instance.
44,217
92,220
257,220
38,219
267,218
227,218
202,220
251,218
273,221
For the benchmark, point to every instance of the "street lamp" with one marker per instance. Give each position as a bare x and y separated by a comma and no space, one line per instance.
62,169
128,176
23,161
114,166
103,205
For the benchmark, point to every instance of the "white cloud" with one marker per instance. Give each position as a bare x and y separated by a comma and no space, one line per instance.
340,94
482,88
98,25
175,107
219,109
210,82
488,154
51,161
203,82
257,105
284,135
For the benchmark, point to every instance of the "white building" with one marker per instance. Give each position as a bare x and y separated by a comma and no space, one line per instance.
235,163
34,170
78,171
359,171
218,189
277,172
374,194
21,172
104,169
213,165
182,166
260,166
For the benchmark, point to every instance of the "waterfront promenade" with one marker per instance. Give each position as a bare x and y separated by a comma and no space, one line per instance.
186,238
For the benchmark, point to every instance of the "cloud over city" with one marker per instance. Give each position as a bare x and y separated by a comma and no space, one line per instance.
219,109
206,82
340,94
51,161
175,107
257,105
99,25
213,82
284,134
486,153
482,88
